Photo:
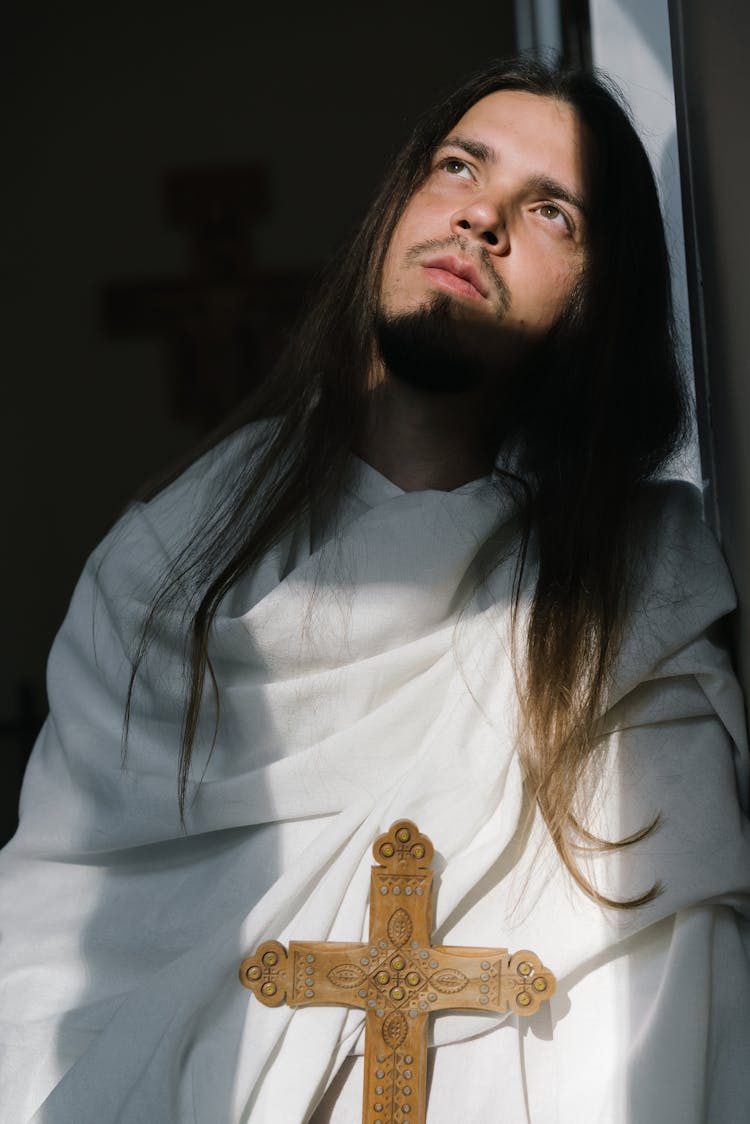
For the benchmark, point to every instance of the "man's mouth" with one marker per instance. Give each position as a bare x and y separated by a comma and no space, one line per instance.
456,275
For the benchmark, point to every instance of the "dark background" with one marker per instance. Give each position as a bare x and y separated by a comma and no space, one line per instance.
136,300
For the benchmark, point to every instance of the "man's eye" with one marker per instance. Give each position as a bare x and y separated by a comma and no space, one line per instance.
553,214
456,167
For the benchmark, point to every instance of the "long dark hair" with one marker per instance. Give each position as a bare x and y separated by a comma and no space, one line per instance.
608,414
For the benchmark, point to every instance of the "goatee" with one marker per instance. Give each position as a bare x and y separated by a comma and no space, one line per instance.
433,350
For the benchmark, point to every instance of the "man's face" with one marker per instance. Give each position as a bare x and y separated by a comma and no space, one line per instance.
494,239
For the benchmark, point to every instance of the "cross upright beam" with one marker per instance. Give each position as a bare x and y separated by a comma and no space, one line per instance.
398,977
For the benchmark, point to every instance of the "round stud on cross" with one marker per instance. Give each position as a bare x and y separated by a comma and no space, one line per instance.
403,835
254,973
270,958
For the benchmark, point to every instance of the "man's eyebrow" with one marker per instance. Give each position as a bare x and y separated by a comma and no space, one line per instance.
474,148
541,183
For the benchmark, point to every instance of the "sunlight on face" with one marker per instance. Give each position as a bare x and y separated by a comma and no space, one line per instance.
499,224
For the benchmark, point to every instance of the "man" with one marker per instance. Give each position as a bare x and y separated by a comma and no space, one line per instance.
429,578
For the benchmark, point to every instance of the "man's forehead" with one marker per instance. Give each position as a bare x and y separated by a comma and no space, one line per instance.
510,127
501,107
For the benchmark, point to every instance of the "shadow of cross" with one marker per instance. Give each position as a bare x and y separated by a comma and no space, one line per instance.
398,977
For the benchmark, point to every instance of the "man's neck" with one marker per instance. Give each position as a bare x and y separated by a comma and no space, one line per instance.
422,440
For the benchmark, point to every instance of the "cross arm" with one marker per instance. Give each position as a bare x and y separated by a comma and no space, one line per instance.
439,978
309,973
488,979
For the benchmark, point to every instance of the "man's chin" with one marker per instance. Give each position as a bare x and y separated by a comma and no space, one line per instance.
445,347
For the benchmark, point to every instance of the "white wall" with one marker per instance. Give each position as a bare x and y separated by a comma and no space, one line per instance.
630,41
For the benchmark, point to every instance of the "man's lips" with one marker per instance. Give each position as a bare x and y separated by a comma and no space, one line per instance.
458,268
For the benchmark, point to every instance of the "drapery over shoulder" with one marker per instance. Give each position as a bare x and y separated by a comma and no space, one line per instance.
365,676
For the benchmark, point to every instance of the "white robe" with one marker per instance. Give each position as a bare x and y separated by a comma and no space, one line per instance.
355,693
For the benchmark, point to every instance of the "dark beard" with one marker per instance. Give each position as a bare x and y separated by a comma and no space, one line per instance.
434,351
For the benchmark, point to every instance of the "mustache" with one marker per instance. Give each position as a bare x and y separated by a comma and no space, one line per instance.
480,257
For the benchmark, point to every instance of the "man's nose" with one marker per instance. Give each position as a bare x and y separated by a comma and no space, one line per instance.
485,222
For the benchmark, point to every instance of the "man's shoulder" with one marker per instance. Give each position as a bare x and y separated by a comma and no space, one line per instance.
194,496
681,580
670,527
676,499
151,536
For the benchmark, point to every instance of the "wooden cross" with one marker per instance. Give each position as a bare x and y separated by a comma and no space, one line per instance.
399,978
225,323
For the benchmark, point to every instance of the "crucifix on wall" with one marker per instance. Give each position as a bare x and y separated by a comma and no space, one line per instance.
225,322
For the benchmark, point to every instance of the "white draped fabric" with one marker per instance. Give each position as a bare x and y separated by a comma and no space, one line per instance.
364,677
